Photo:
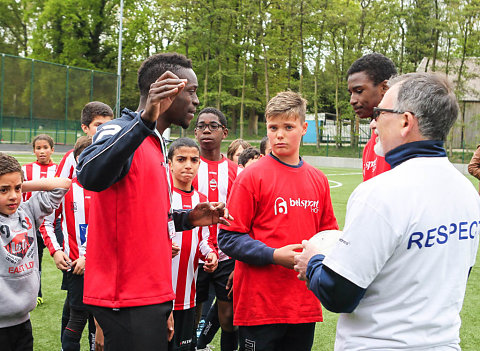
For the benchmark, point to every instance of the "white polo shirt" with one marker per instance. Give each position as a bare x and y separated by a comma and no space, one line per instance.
410,238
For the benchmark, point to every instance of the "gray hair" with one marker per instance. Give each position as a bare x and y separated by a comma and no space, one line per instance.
430,97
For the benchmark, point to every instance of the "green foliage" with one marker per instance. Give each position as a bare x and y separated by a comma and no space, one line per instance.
245,51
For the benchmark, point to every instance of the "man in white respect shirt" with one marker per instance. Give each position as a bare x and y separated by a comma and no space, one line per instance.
398,273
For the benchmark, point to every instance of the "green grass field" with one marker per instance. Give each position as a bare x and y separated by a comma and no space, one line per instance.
46,318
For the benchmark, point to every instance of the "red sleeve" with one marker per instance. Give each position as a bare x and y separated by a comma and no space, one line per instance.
241,205
60,169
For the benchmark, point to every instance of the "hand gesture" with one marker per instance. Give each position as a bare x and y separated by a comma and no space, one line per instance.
62,261
284,256
99,338
79,266
207,213
175,250
161,95
320,243
170,327
211,263
229,285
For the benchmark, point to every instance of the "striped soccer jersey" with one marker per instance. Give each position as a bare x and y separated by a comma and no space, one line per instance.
193,245
215,179
74,210
35,171
66,167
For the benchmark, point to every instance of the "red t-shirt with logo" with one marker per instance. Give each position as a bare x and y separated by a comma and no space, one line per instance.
373,164
278,205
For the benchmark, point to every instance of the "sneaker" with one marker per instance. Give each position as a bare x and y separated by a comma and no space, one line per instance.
208,348
201,324
39,300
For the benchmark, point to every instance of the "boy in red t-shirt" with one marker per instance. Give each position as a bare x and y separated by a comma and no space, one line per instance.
276,203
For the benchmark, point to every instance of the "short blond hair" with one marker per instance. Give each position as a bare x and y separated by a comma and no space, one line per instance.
287,103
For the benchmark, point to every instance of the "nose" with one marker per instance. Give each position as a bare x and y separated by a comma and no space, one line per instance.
353,99
195,100
373,124
12,194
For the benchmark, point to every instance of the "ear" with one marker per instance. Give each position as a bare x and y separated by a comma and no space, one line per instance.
85,128
225,132
409,124
304,128
170,166
383,86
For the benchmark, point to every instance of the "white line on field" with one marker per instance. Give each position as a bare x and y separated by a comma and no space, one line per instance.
343,174
335,184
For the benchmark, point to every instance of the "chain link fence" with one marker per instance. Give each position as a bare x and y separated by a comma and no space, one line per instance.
43,97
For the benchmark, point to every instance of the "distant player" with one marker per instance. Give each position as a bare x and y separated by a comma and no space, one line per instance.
215,179
19,221
235,148
265,147
94,114
71,258
248,157
184,160
276,203
367,84
43,167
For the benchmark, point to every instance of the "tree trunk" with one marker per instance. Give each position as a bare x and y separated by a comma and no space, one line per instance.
219,96
242,100
302,54
205,80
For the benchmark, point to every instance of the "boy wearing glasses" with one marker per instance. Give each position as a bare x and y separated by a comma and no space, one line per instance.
215,177
367,84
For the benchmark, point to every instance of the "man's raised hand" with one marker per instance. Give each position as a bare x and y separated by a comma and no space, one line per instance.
161,95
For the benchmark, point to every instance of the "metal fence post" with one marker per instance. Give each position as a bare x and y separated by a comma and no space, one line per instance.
91,85
31,97
328,141
66,108
2,79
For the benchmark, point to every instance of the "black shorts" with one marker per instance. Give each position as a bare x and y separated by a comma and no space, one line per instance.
184,338
73,283
17,338
219,278
142,328
276,337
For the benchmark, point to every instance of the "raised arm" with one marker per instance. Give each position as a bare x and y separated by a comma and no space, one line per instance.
46,184
108,159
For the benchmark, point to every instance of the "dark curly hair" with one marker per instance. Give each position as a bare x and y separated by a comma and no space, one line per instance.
376,66
156,65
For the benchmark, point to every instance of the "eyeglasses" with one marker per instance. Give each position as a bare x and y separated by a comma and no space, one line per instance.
213,126
378,110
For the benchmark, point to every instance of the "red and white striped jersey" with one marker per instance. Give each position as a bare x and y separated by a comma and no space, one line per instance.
215,179
193,245
66,167
74,210
35,171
